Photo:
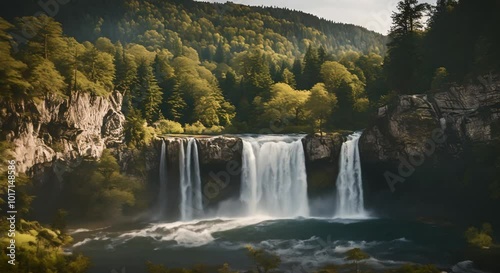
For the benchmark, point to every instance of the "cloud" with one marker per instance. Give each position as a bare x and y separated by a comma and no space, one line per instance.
372,14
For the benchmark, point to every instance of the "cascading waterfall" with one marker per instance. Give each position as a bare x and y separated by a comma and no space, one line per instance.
273,179
190,181
350,203
162,194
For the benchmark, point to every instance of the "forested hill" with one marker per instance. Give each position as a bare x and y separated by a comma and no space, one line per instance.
207,26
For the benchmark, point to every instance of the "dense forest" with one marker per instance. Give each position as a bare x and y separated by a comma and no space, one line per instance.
199,68
207,69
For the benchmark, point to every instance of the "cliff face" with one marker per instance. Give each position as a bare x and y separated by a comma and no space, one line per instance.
451,120
431,155
66,130
322,161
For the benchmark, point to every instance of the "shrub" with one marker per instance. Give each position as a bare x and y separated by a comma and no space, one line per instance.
214,130
480,238
165,126
196,128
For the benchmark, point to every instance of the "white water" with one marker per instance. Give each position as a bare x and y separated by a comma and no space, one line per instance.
350,203
190,184
162,195
273,179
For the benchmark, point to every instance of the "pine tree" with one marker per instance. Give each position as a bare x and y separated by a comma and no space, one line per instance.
147,94
404,54
312,68
297,72
126,70
176,105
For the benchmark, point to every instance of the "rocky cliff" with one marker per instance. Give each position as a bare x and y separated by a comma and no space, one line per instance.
451,120
62,130
435,155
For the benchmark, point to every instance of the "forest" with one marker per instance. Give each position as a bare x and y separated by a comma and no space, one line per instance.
187,67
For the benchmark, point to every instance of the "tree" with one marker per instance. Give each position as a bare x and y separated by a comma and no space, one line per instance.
137,133
126,70
297,72
45,80
99,68
255,71
206,110
285,105
320,105
404,51
11,71
103,192
147,93
289,78
356,255
176,105
408,17
312,67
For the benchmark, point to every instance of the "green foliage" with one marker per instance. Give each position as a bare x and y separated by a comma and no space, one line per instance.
440,78
356,255
480,238
45,80
23,183
101,190
137,132
11,71
264,261
196,128
165,126
38,249
285,106
59,222
320,105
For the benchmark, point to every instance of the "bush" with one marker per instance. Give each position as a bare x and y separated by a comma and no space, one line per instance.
165,126
196,128
480,238
214,130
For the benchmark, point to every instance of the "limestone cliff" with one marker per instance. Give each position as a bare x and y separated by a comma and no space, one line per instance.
63,130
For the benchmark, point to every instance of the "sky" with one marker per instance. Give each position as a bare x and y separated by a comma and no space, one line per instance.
372,14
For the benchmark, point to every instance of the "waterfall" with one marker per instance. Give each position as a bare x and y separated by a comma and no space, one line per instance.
350,202
274,180
190,181
162,194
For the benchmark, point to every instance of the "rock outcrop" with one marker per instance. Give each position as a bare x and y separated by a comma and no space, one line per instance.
464,115
220,149
63,130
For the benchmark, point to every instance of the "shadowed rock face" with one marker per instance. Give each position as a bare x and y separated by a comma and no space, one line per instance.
322,161
420,154
80,126
467,115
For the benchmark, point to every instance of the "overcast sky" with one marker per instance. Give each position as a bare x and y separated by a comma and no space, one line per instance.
372,14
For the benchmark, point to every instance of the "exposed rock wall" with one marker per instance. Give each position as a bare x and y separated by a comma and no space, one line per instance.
80,126
466,115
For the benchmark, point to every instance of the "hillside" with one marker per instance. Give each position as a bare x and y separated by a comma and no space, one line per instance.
206,26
